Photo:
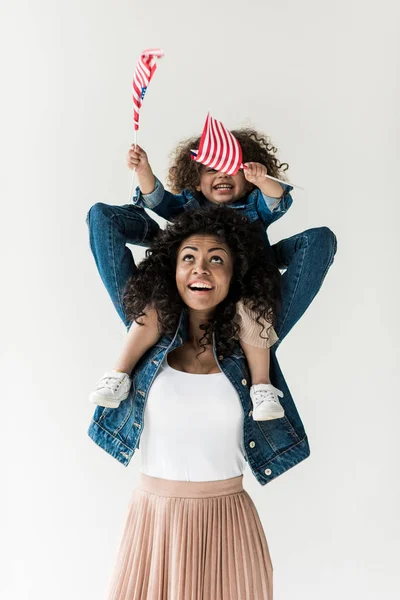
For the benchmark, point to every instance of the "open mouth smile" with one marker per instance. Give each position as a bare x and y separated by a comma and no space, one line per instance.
200,287
223,187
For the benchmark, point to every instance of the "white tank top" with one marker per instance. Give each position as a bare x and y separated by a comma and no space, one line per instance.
193,427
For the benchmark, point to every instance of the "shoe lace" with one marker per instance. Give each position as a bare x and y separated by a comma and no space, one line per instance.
113,383
265,395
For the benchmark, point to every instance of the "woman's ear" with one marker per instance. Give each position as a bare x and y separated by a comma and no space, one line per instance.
198,188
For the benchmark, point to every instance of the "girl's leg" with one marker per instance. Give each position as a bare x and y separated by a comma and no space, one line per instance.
306,257
263,394
256,347
114,386
140,339
258,361
110,229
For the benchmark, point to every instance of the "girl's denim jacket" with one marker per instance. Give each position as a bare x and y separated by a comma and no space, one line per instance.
256,206
271,447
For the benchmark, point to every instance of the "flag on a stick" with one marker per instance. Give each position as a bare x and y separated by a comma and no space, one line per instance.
218,148
143,73
221,151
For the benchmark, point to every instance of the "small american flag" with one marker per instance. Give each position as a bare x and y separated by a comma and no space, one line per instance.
218,148
143,73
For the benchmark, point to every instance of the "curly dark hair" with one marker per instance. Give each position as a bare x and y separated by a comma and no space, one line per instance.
255,280
184,172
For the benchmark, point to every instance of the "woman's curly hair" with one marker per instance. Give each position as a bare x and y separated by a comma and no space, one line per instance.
184,172
255,280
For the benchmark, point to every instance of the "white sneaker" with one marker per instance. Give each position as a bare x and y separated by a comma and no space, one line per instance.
266,405
112,388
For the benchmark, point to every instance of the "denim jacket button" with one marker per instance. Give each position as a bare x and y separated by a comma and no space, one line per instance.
244,382
252,444
268,471
250,413
220,357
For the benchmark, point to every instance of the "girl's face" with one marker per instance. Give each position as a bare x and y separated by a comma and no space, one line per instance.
220,188
204,269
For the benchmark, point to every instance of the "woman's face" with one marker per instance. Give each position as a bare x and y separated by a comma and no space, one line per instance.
204,270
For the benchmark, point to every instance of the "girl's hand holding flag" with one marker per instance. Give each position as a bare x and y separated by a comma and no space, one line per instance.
257,174
137,160
220,150
254,172
144,72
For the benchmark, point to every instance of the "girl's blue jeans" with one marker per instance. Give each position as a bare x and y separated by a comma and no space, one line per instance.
305,258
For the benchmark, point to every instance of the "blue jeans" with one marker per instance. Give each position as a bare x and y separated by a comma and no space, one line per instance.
306,258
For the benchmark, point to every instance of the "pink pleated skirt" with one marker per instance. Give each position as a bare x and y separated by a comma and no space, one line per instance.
192,541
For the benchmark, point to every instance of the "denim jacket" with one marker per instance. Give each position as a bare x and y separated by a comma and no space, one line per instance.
256,206
271,447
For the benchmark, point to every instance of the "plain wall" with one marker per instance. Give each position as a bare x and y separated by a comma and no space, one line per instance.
322,80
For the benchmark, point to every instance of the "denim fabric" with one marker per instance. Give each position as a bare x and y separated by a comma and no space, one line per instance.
271,447
305,257
110,229
256,206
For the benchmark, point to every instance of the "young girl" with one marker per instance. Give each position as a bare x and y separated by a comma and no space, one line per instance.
263,201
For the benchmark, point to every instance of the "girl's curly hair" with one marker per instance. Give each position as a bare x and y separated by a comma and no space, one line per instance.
255,280
184,172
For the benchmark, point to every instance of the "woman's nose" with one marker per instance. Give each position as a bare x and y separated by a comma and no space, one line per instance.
201,267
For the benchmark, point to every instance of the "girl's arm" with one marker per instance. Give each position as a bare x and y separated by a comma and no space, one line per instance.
273,199
151,193
271,209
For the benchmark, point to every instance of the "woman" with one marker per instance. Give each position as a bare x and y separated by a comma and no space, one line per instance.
192,531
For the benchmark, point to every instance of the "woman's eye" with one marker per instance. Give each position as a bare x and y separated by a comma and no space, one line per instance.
188,256
216,258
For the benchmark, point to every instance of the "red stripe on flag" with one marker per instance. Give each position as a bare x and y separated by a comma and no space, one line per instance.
144,72
218,148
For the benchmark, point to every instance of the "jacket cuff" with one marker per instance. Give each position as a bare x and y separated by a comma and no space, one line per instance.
149,200
278,204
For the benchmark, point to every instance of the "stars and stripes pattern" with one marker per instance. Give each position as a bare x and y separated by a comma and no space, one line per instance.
218,148
143,73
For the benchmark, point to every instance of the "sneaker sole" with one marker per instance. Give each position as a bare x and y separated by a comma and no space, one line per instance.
99,401
105,404
269,417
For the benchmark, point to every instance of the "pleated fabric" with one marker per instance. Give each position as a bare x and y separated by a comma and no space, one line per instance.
192,541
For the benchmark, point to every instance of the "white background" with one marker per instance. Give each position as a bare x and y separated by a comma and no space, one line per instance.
322,79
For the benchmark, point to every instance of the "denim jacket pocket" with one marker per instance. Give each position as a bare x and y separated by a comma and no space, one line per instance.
114,419
279,433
